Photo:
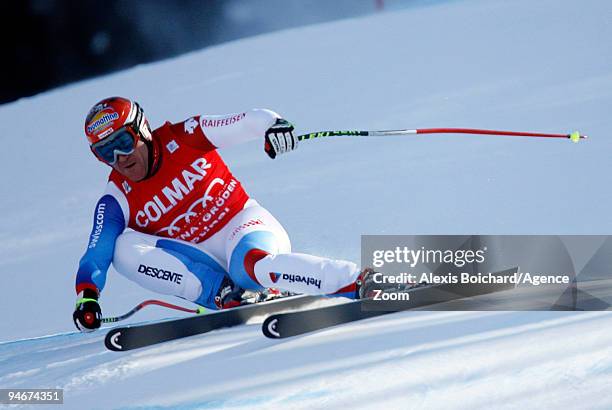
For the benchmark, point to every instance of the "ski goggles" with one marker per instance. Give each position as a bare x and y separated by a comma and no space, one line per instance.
121,142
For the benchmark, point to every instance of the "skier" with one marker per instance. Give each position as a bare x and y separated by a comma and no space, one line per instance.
176,221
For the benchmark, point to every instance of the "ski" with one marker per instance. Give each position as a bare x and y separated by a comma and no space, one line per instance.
136,336
282,325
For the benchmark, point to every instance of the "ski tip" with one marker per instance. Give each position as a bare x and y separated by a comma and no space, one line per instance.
112,340
270,329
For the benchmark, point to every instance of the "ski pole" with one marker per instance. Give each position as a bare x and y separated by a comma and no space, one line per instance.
574,136
113,319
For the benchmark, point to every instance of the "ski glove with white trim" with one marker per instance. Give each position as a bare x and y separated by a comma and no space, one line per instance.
87,315
280,138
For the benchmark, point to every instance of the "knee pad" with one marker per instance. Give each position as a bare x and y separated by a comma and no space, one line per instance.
250,249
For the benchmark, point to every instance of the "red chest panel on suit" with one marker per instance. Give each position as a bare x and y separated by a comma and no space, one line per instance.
191,196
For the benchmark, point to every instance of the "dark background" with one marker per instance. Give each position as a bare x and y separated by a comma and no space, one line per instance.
48,43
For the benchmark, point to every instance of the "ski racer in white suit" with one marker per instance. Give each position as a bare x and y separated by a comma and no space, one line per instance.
176,221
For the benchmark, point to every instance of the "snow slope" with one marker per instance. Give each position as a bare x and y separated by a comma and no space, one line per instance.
541,66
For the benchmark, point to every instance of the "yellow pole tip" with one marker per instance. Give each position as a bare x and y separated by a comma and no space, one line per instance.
575,136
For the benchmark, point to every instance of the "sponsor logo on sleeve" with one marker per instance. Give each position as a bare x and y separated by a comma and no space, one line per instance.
190,125
98,225
221,122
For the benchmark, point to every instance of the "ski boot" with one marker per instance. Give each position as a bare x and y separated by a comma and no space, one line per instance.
229,295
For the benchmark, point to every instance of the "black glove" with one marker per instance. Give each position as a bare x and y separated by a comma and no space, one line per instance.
280,138
87,315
